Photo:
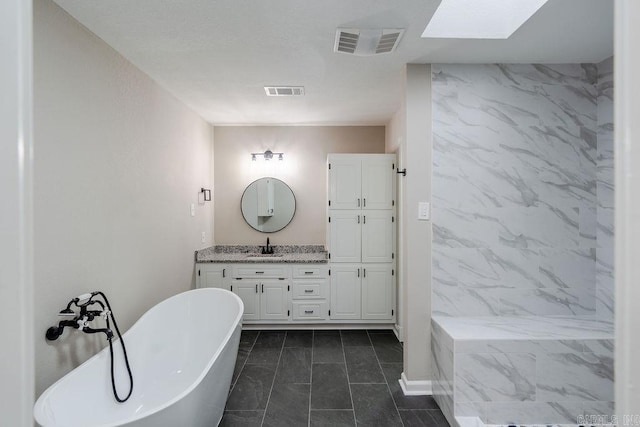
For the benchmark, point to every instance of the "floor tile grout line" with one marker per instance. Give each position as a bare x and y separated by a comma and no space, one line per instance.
243,364
387,384
346,370
313,333
264,415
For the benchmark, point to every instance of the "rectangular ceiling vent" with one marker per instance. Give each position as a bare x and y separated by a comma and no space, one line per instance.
284,90
367,42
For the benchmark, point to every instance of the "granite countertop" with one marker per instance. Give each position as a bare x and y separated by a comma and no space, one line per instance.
298,254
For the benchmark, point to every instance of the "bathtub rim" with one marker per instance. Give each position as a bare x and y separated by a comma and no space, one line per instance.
197,381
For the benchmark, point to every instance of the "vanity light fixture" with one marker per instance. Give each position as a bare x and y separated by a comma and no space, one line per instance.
268,155
207,194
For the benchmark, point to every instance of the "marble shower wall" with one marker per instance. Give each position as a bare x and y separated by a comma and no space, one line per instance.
517,168
604,176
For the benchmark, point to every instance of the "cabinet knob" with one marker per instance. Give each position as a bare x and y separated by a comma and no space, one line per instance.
308,291
308,312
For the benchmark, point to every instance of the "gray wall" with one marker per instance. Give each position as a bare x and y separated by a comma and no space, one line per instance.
515,161
118,161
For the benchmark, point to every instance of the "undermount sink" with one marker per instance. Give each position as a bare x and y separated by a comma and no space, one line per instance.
254,257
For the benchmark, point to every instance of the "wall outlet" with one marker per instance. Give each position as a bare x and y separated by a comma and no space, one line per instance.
203,238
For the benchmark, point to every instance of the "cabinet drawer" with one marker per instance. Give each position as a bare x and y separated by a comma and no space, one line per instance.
310,271
310,289
260,271
310,311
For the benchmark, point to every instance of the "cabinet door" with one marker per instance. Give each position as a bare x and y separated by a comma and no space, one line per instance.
274,300
344,182
377,182
345,292
377,291
248,293
377,236
212,276
345,236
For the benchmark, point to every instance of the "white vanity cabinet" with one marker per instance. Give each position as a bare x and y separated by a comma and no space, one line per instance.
310,293
361,236
378,288
264,289
362,291
211,275
345,291
361,181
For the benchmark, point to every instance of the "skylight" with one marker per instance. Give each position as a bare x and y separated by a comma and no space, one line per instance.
480,19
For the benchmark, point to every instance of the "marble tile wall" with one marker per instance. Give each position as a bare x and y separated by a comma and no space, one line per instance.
604,177
525,370
543,382
442,359
522,168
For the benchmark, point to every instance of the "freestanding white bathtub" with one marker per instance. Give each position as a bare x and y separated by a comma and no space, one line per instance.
182,354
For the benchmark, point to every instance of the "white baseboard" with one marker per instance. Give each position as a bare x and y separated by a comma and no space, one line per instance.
397,329
415,388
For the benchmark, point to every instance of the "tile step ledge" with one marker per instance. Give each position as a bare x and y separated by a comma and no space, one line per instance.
477,422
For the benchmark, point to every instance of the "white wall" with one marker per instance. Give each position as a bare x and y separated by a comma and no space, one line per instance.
16,225
417,241
304,169
395,142
118,161
627,209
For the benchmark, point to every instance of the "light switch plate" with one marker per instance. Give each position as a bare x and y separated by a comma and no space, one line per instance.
423,211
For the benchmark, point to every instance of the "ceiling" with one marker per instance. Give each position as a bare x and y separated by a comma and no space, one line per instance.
217,55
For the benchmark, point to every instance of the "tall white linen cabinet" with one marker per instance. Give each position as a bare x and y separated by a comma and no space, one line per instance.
361,237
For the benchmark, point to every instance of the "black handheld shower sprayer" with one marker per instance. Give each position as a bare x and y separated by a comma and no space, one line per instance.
80,321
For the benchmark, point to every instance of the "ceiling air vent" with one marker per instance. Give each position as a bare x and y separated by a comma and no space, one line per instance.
367,42
284,90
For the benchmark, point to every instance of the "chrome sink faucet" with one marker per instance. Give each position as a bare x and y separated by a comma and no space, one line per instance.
267,250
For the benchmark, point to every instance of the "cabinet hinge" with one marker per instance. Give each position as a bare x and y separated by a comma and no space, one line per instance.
393,255
198,272
231,288
329,272
288,313
329,165
392,312
393,272
393,219
393,203
393,165
288,287
329,312
329,255
329,202
329,219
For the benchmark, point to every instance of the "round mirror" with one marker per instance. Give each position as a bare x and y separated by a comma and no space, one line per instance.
268,205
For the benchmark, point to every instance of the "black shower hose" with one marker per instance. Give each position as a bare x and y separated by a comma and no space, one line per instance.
124,351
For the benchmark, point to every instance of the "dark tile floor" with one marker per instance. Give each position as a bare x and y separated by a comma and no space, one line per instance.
323,378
